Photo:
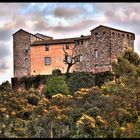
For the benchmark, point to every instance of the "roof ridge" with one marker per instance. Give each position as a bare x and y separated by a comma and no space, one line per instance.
27,33
112,29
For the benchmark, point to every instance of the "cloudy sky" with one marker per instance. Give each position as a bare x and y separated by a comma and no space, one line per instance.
61,20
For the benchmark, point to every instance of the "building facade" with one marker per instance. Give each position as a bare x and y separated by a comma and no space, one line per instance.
40,54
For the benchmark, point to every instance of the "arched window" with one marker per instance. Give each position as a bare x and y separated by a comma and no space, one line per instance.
118,35
26,63
95,53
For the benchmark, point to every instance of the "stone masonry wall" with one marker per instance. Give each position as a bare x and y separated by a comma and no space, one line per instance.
19,40
99,41
108,44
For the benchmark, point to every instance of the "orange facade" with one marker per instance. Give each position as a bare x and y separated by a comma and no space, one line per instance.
56,57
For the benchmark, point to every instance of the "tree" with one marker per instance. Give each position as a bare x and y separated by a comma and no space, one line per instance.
55,85
71,59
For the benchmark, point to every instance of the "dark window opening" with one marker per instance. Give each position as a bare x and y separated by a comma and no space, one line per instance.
47,60
96,34
118,35
82,42
122,35
95,53
46,48
103,32
127,36
67,46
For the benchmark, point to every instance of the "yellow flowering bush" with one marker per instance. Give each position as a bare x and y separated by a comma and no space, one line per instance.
87,121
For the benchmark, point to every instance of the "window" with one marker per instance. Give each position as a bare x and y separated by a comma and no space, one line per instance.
82,42
76,43
47,60
118,35
67,46
103,32
123,35
26,48
81,58
26,63
127,36
69,59
95,53
96,34
46,48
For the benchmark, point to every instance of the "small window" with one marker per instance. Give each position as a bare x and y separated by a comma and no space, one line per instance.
81,58
127,36
26,48
123,35
103,32
67,46
82,43
113,34
76,43
47,60
95,53
96,34
68,59
26,63
46,48
118,35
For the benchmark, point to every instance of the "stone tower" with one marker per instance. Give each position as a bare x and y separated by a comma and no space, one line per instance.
21,51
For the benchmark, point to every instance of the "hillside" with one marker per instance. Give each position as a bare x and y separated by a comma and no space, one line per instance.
109,110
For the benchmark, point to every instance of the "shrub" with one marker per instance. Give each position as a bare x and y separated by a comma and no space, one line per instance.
56,85
56,72
5,86
79,80
33,100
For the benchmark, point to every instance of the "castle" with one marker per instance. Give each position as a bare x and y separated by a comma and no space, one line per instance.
36,54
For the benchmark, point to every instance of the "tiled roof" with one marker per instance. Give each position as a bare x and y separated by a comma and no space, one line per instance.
59,41
42,36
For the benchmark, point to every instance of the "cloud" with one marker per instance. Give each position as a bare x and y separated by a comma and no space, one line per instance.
41,25
82,25
7,8
4,50
4,65
66,12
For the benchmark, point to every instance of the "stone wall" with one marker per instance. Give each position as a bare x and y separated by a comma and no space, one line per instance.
21,40
108,44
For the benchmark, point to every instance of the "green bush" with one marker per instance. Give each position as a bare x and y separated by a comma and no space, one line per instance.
56,85
79,80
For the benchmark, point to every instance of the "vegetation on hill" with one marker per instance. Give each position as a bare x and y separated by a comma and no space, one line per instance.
110,110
